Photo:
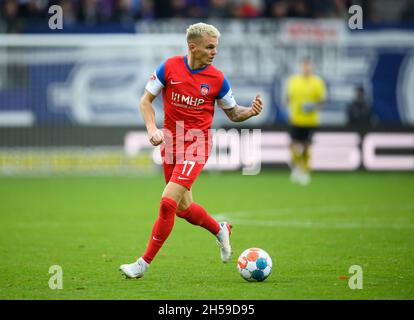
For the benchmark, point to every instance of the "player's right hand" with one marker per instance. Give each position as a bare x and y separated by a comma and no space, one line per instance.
157,137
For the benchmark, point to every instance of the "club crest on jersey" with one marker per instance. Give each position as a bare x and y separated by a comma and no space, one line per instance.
204,89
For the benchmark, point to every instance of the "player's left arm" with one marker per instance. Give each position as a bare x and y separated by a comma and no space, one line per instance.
234,111
239,113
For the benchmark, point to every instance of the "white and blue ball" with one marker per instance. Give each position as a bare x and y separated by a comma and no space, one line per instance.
254,264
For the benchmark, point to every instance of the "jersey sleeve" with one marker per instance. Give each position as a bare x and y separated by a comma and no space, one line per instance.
225,98
157,81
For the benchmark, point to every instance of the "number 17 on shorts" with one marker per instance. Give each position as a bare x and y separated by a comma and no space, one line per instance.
186,173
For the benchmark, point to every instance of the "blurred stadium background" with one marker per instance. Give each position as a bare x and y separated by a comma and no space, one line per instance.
69,97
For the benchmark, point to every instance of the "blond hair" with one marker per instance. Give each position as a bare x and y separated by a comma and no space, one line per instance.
200,29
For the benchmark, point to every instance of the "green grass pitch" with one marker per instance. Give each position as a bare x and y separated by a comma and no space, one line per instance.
91,225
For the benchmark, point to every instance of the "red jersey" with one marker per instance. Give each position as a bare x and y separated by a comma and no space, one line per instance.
189,95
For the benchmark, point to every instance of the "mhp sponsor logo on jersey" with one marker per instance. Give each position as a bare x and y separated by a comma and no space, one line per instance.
204,89
181,100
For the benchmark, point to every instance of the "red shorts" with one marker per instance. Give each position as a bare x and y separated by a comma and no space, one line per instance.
182,171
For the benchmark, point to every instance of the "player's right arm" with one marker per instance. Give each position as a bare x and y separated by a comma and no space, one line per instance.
152,90
155,135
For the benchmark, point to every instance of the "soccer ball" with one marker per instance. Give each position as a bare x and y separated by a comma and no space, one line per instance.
254,264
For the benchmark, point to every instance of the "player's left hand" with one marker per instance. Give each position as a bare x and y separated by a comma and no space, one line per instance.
257,105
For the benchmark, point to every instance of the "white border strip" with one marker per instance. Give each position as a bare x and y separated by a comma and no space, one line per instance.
16,118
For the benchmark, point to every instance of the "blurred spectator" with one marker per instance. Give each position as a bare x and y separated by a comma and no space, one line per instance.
34,10
325,8
146,11
407,13
247,8
385,10
121,12
219,9
69,12
359,110
89,13
340,8
197,8
162,9
179,9
11,17
278,9
299,9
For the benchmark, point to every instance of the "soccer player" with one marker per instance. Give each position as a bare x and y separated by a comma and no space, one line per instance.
190,85
306,94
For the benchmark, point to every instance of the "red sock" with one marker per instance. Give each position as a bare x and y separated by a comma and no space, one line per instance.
162,228
197,215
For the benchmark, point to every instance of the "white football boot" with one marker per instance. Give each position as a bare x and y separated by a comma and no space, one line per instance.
304,178
223,241
295,175
135,269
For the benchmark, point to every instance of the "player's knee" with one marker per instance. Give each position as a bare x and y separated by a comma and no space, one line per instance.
168,208
174,191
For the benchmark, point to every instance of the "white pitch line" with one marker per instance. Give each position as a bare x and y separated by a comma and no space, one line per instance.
234,218
320,225
323,209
